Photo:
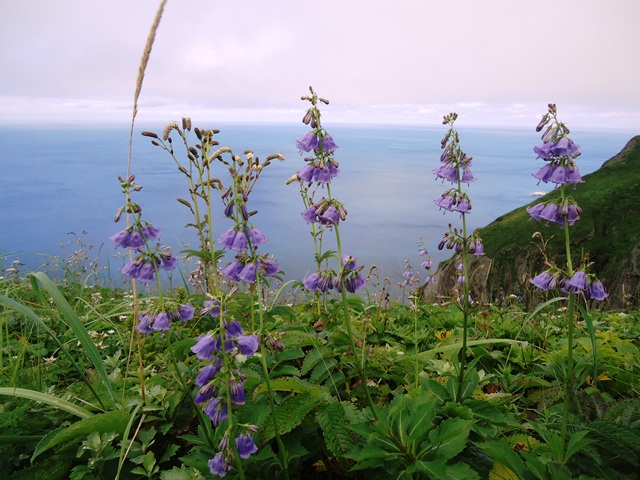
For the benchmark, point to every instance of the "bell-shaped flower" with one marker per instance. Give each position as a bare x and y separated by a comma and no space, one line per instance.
257,238
545,281
307,142
234,330
237,392
227,238
328,145
207,373
220,465
270,267
245,445
577,283
205,346
545,173
446,171
446,201
217,411
248,345
596,291
248,273
331,216
232,271
310,214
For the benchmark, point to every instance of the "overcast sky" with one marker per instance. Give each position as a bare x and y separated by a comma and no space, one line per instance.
495,62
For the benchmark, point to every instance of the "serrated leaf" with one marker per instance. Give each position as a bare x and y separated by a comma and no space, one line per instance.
322,370
333,423
289,415
285,370
285,384
312,358
169,452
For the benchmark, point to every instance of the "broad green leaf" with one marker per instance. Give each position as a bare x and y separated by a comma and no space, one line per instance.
114,421
576,443
450,437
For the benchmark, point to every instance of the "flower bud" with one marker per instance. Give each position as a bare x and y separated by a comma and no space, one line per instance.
308,117
543,122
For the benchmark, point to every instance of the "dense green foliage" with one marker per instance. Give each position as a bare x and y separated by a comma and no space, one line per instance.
505,421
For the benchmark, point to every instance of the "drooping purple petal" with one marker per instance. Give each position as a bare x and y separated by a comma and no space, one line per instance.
307,142
246,446
248,344
205,346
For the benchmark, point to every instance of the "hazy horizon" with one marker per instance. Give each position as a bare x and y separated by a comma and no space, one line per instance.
496,63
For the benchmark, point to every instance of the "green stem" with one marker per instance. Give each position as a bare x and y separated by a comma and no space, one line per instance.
568,397
346,319
465,306
265,371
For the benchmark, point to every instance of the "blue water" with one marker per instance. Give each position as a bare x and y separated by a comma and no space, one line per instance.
61,179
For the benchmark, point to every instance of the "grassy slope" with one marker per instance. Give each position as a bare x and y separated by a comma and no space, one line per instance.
609,227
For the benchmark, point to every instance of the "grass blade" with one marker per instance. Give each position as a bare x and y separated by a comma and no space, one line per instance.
56,402
27,312
72,319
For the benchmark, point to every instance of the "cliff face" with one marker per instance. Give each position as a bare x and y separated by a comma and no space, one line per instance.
608,230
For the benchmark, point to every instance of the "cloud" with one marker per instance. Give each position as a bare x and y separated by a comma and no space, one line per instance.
375,60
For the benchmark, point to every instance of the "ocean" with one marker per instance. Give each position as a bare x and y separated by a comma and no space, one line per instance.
63,179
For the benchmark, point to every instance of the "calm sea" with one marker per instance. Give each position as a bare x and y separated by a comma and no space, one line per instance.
61,179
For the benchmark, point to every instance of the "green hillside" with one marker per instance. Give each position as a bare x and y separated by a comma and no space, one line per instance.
608,229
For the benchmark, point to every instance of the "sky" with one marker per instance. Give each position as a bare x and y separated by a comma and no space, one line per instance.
494,62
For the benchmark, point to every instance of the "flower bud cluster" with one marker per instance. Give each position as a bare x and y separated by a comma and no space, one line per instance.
350,276
456,241
325,212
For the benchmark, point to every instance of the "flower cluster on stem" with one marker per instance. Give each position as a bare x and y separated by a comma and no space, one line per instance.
220,385
327,212
455,168
146,261
559,152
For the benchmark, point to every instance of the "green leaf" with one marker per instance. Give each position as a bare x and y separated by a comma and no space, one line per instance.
322,370
289,415
48,399
285,370
450,437
434,469
333,423
206,256
169,452
114,421
313,357
504,455
54,468
576,443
